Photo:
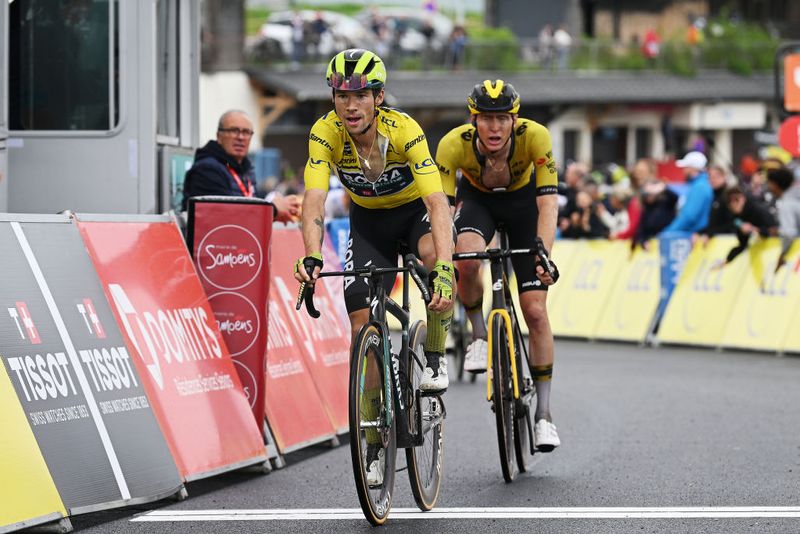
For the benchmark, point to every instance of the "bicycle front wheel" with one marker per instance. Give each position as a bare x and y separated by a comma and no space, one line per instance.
503,396
373,447
523,406
426,418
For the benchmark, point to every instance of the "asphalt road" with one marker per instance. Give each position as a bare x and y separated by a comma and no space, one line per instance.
654,436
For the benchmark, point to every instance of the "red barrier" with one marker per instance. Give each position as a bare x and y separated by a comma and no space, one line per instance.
325,342
168,325
230,242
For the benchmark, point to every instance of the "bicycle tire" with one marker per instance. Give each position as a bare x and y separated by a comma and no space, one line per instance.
425,461
503,396
368,404
522,426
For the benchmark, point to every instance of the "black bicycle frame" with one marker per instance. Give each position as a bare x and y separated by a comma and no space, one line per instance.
396,376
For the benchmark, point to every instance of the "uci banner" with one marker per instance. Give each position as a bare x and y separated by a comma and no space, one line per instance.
701,303
631,307
585,287
767,298
174,342
73,374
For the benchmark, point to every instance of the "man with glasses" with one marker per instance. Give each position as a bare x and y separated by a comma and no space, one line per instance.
222,167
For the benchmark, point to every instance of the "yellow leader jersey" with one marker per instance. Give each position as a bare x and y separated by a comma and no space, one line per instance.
530,147
410,172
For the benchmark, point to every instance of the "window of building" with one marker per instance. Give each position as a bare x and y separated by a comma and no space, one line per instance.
167,69
570,145
644,143
63,91
609,145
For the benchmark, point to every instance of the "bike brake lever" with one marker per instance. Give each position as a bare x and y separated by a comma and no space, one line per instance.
548,264
418,274
306,294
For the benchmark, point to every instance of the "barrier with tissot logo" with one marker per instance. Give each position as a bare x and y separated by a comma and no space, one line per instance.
324,342
28,495
229,238
73,374
172,336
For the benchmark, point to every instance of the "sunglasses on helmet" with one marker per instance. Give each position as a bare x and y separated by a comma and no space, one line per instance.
353,82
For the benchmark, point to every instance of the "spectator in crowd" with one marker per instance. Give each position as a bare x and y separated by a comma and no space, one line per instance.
456,46
317,31
651,46
696,204
658,211
643,173
720,219
584,221
751,218
222,167
562,41
545,46
782,185
574,180
298,39
616,218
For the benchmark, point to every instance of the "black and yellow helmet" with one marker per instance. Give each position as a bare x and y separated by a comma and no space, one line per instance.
493,97
355,69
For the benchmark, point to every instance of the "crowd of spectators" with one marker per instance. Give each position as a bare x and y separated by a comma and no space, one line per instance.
762,199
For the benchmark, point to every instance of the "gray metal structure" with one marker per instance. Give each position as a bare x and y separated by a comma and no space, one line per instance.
3,107
150,106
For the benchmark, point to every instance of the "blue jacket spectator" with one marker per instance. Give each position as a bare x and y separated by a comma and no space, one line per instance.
693,214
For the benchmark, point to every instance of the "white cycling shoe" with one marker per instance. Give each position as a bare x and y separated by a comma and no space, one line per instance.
545,436
434,377
476,356
376,469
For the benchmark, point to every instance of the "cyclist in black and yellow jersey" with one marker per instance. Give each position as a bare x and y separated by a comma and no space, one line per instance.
382,159
508,177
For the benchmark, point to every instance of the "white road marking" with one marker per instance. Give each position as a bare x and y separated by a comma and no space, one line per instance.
331,514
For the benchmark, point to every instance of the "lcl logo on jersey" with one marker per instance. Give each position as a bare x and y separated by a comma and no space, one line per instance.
25,327
90,318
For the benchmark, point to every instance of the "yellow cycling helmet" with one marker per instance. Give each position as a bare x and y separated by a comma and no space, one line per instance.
493,97
355,69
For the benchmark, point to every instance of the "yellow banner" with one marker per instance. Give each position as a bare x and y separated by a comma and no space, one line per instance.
27,492
767,300
585,287
701,303
634,297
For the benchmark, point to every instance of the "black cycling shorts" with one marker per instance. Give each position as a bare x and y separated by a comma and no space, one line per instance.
481,213
377,237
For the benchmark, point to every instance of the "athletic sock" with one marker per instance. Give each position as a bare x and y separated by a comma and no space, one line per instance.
542,377
475,316
438,325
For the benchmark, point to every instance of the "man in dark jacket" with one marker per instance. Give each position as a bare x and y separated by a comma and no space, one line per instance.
221,167
751,217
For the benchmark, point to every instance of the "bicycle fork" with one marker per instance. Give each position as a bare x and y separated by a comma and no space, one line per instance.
512,355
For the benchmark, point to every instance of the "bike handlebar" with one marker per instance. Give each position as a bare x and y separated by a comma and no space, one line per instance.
540,251
411,265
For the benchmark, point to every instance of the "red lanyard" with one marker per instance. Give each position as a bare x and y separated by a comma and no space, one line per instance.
247,192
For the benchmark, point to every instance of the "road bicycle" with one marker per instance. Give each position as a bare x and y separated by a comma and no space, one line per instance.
509,387
387,410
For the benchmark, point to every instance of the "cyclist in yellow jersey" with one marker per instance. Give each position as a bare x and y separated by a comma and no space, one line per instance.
382,159
508,177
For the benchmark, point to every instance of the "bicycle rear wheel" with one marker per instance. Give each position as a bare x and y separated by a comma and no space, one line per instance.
425,461
503,396
373,447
